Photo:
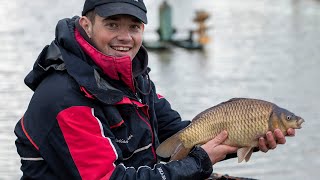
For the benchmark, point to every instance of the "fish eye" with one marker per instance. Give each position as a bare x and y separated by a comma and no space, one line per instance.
288,117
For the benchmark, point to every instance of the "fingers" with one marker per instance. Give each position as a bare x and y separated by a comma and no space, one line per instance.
262,145
218,152
265,145
272,144
291,132
279,136
220,138
230,149
271,140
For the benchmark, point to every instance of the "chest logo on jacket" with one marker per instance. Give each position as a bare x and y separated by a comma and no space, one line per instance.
123,141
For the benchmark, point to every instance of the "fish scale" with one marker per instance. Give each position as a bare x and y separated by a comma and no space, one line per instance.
245,120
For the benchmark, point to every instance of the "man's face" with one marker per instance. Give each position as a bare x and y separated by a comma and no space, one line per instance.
119,35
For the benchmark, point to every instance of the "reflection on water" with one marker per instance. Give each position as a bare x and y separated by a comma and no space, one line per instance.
262,49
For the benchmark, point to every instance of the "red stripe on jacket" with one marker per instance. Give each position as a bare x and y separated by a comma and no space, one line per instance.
144,108
27,135
160,96
93,153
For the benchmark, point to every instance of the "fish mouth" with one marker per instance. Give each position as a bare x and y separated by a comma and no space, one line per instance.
299,122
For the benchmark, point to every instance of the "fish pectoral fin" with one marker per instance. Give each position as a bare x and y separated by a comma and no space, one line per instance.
180,153
244,154
169,146
249,155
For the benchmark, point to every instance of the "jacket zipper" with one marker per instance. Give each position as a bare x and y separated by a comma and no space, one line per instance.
152,133
137,96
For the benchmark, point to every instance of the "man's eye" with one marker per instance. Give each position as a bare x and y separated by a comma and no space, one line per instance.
112,25
136,27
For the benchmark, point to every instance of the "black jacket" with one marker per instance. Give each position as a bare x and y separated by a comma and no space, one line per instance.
85,123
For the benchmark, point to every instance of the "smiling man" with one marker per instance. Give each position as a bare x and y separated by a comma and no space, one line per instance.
95,113
118,35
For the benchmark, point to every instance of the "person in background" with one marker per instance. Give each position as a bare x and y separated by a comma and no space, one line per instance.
96,114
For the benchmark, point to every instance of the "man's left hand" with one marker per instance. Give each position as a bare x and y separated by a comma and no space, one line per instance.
271,141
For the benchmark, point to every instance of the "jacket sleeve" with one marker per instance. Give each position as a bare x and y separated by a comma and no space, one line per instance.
169,120
195,166
95,154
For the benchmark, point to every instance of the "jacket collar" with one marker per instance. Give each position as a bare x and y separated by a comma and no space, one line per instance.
114,67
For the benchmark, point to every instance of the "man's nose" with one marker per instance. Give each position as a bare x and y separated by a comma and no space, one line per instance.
124,35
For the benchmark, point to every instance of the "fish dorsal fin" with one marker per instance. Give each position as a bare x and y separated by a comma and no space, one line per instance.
236,99
169,146
244,154
241,98
211,108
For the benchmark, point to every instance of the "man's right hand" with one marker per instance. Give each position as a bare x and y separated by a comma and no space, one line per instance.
216,150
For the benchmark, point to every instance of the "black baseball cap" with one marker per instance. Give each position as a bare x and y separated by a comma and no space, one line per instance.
106,8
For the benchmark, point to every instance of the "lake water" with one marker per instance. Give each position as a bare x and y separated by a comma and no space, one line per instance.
262,49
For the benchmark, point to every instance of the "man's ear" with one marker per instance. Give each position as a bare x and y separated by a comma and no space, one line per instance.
86,24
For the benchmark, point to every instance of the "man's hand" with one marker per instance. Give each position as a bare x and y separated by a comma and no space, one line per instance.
271,141
216,150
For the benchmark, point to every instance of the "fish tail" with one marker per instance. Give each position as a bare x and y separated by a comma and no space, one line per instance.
170,146
180,153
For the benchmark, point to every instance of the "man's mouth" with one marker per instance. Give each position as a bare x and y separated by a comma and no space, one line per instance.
119,48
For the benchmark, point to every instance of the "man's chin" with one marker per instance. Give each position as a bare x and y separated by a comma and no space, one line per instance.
119,55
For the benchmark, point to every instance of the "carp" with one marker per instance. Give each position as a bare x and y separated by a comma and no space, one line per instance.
245,119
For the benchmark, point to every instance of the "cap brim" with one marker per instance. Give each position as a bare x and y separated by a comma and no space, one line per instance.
111,9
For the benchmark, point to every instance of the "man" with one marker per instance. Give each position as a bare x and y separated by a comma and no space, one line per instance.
95,113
